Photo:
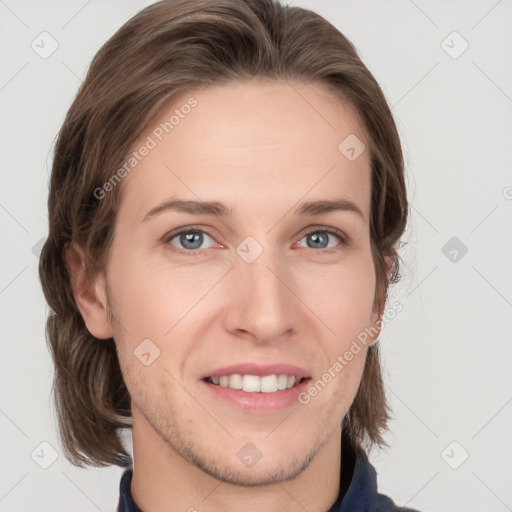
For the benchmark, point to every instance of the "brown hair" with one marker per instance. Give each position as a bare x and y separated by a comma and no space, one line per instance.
168,47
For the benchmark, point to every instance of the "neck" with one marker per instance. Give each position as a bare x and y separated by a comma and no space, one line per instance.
162,478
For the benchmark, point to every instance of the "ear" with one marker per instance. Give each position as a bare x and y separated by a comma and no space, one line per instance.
377,316
89,295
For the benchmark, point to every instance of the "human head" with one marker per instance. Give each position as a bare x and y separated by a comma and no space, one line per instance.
169,48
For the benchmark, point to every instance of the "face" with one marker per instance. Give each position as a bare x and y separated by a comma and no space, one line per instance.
255,290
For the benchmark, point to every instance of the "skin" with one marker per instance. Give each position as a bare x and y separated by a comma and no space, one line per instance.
260,147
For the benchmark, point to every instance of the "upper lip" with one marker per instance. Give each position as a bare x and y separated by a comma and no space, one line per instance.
259,370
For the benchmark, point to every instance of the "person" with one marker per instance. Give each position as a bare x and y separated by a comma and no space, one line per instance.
226,202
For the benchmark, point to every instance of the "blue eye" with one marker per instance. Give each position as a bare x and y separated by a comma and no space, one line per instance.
189,241
320,239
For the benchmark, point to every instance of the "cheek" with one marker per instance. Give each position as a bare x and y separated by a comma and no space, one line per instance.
154,295
342,295
151,296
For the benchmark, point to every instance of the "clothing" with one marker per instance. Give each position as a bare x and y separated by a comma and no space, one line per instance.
360,494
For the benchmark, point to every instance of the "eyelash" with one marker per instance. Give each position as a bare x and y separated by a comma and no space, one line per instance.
345,240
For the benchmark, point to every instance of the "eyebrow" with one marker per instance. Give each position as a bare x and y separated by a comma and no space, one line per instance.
217,209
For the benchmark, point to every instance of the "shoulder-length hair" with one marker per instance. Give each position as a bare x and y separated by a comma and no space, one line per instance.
169,47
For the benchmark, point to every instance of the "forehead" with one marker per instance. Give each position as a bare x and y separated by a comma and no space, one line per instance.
249,144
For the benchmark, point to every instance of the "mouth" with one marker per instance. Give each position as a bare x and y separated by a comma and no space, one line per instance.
249,383
256,388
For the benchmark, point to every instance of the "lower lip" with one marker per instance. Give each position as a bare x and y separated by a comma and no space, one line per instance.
259,403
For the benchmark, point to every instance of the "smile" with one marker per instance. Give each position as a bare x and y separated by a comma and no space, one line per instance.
255,383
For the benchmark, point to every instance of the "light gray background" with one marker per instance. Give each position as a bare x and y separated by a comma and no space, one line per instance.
447,354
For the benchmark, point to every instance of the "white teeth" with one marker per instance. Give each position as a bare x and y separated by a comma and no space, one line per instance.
251,383
269,384
235,381
282,382
254,383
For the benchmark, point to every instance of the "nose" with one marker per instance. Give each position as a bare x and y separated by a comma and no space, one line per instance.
261,304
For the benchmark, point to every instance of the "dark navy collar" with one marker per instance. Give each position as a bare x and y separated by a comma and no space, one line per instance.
360,496
126,503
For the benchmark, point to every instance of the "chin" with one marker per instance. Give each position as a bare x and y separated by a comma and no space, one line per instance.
261,473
